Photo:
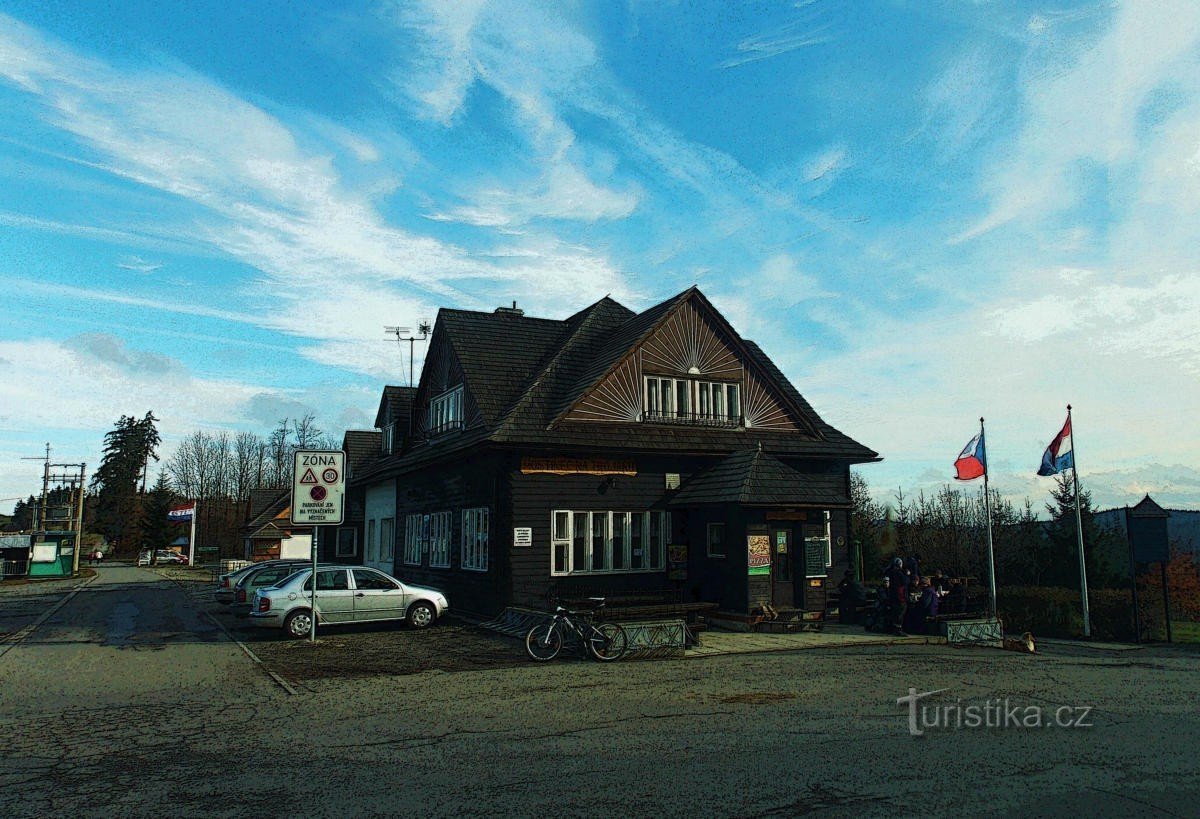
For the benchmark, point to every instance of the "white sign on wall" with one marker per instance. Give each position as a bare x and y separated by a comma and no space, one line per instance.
319,486
523,536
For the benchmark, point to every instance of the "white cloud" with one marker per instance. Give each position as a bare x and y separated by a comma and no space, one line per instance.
273,204
1085,106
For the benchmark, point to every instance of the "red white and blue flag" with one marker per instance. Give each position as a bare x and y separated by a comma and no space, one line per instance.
972,461
181,514
1059,455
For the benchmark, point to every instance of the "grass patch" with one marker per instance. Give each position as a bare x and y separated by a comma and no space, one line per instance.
1183,632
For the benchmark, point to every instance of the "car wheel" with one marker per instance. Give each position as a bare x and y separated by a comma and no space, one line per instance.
421,615
298,624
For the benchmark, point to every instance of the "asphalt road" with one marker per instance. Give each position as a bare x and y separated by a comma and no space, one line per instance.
128,701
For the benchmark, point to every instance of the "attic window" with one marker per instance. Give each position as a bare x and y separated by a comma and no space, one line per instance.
445,411
389,439
689,401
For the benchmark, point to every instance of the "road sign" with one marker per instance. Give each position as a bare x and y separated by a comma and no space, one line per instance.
319,486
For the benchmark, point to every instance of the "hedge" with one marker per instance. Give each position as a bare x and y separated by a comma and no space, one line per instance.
1057,612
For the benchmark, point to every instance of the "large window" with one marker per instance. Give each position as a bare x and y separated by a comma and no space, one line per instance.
445,411
428,534
595,542
474,544
439,540
413,539
688,401
372,543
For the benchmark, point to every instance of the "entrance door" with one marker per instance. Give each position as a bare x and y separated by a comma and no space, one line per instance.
783,595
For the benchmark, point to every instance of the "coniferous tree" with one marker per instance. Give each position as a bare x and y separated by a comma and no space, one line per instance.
128,450
157,530
1060,558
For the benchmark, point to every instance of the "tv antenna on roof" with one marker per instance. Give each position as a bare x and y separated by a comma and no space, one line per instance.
399,332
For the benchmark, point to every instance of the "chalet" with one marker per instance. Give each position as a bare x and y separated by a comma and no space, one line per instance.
269,533
613,452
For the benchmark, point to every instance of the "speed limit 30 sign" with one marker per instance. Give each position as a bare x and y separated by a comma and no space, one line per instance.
318,486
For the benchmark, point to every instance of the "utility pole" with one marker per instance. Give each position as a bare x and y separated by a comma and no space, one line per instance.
39,524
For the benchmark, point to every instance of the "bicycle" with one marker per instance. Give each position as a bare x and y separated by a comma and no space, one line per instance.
604,641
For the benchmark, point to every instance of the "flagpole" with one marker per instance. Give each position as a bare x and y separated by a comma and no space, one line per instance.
987,505
1083,588
192,535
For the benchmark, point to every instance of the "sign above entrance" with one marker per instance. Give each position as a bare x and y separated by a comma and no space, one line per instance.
319,486
577,466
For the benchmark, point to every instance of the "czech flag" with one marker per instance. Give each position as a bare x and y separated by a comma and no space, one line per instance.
972,461
1058,456
181,515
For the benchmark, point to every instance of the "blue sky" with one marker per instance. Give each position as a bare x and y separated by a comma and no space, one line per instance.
924,212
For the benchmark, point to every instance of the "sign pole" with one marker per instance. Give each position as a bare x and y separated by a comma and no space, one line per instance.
318,498
312,627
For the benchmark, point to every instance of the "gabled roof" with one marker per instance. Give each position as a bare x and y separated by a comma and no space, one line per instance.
361,446
396,402
499,353
279,502
525,373
754,478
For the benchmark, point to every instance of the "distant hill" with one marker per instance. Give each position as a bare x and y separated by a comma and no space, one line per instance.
1183,527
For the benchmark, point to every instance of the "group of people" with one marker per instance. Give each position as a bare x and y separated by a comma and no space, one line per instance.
907,601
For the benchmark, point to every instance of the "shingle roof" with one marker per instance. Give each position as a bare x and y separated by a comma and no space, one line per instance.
754,478
270,502
525,373
395,403
361,446
499,353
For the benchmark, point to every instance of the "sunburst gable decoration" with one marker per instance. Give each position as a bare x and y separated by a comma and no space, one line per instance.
617,398
760,408
686,344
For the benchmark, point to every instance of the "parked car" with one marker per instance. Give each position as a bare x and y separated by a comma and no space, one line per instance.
226,583
163,557
345,594
260,577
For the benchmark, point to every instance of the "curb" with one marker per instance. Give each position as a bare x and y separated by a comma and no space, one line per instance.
15,640
278,679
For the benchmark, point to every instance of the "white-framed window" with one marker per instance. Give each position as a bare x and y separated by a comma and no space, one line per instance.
439,539
716,540
474,542
607,542
445,411
372,543
347,542
387,539
687,400
389,439
413,539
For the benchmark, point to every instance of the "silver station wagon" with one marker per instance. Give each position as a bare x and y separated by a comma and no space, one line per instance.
345,594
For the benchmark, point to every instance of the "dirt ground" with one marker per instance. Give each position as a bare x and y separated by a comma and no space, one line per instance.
367,650
384,648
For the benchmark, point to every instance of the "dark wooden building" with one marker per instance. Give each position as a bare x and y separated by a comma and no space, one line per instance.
613,452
